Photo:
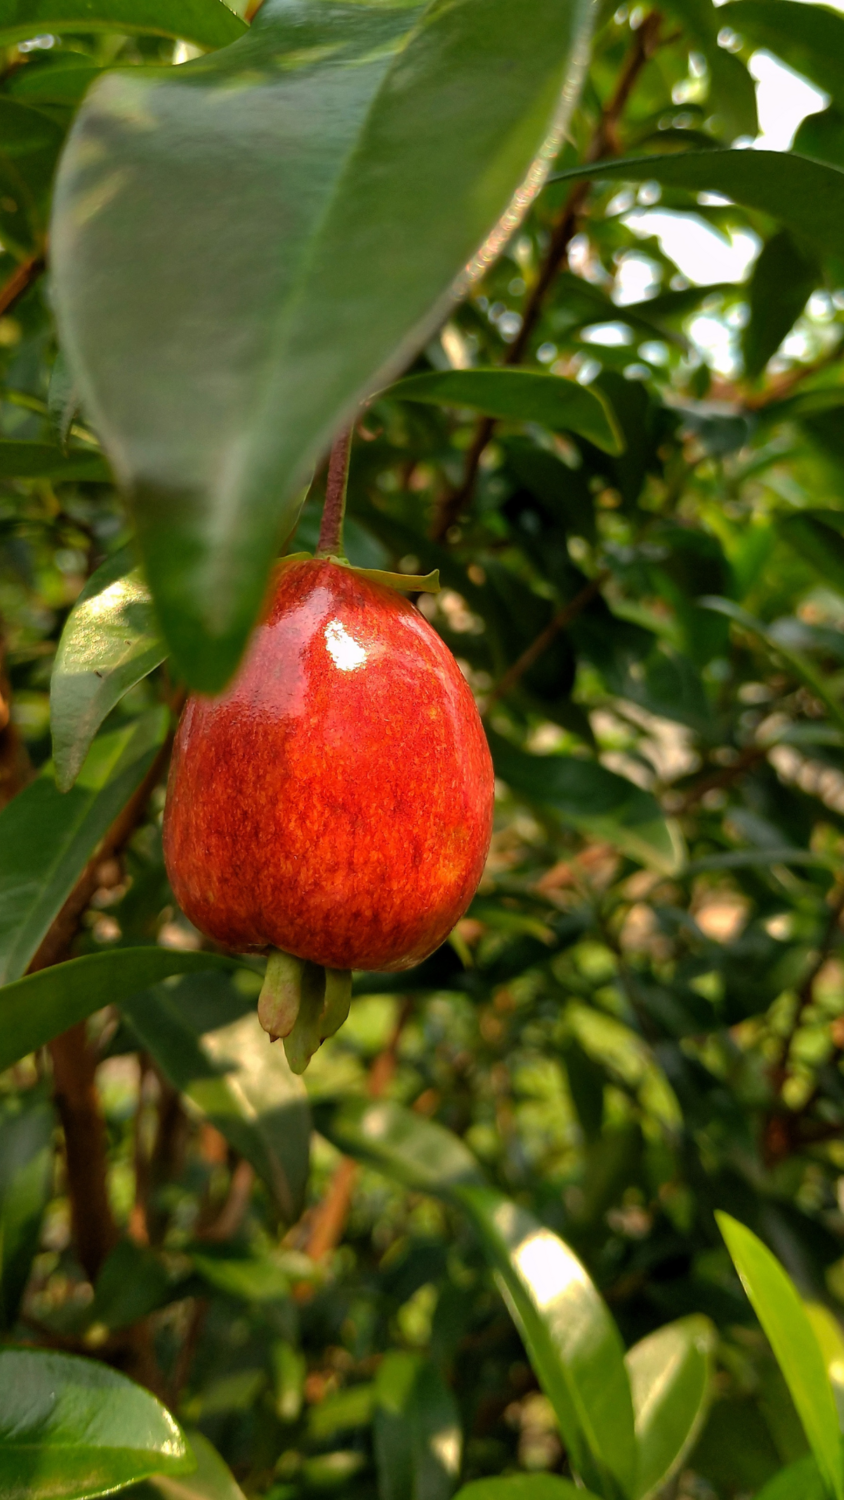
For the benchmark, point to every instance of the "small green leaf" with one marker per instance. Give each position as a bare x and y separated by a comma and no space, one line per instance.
593,799
109,643
235,1077
524,1487
62,401
286,299
27,1124
822,546
574,1345
43,1005
520,396
71,1428
133,1283
418,1438
47,838
671,1380
253,1279
783,279
807,196
781,645
408,583
207,23
20,459
786,1323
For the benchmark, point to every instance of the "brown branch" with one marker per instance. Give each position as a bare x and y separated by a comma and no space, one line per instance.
329,1219
561,621
604,143
15,764
75,1091
331,531
21,279
718,779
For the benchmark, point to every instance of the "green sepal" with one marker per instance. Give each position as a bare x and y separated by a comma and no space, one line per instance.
302,1004
409,583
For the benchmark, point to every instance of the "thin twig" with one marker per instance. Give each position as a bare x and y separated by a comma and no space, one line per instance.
604,142
331,531
20,281
561,620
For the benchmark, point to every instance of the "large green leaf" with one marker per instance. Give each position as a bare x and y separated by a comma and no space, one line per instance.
27,1123
523,1487
785,1321
244,247
208,23
20,459
71,1428
593,799
47,839
212,1479
110,641
574,1345
418,1438
520,396
810,38
671,1380
235,1077
805,195
783,279
43,1005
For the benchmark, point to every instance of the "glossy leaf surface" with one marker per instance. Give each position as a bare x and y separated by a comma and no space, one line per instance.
573,1343
35,1009
47,838
416,1152
418,1438
71,1428
208,23
671,1381
27,1125
520,396
110,641
212,1479
792,1338
807,196
235,1077
592,798
373,150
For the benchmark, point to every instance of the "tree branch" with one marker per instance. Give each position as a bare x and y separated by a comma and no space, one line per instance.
21,279
561,620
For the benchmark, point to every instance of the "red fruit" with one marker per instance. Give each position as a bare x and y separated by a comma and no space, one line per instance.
336,801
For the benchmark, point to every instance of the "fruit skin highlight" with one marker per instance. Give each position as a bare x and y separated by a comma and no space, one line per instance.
336,801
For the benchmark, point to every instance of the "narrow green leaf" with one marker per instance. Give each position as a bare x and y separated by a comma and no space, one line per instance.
520,396
207,23
421,1155
822,136
524,1487
371,150
800,1481
20,459
43,1005
807,196
810,38
62,401
71,1428
671,1380
593,799
27,1123
822,546
236,1078
133,1282
418,1438
109,643
212,1479
573,1343
786,1323
783,279
47,839
830,1336
797,660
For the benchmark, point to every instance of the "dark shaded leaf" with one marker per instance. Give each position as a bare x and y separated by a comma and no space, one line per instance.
783,279
26,1179
810,38
24,460
418,1439
520,396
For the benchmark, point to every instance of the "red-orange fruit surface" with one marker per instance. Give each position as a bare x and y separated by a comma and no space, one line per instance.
336,800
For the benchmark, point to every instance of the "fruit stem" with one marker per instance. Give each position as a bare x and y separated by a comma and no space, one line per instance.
331,531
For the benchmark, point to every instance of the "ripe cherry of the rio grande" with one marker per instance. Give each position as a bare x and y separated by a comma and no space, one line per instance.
336,801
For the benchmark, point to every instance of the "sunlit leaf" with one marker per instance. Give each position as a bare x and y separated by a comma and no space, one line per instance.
418,1438
671,1380
208,23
